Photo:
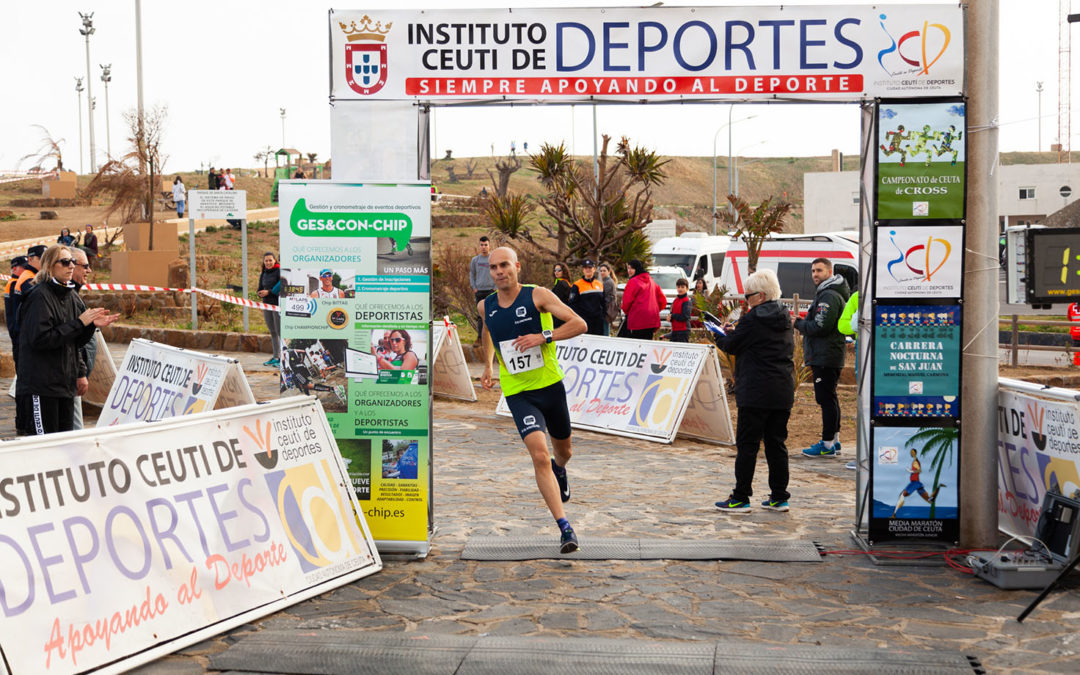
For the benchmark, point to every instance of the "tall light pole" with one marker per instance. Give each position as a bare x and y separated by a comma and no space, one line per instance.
1039,91
735,164
79,89
282,127
714,138
139,130
106,77
86,31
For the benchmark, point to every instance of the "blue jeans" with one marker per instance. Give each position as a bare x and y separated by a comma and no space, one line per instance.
180,209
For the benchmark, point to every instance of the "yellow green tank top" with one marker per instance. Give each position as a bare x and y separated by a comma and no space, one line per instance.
521,371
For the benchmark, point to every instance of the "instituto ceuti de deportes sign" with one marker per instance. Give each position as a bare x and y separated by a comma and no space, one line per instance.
649,53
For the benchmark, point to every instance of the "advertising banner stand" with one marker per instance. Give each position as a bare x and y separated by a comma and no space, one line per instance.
356,332
159,536
908,488
643,389
450,372
103,375
156,381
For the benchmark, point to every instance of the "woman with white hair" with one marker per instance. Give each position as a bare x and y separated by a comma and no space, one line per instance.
763,345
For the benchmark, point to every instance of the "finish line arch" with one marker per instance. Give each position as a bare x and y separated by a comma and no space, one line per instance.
390,68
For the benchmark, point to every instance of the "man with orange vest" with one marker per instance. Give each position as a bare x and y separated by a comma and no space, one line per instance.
587,298
680,312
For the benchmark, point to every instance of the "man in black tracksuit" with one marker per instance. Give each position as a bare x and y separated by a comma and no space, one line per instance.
823,351
587,298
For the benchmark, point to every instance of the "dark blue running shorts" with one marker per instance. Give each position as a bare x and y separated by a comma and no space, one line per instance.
541,410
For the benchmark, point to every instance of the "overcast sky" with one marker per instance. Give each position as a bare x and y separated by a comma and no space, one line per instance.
224,69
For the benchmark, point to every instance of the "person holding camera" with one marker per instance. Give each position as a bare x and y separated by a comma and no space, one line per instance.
763,345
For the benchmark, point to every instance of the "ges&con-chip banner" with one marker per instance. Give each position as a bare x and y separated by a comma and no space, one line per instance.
839,52
121,544
356,329
642,389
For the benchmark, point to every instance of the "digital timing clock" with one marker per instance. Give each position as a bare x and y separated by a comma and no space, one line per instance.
1053,265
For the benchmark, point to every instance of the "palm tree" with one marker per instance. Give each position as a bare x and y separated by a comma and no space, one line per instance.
941,443
755,224
49,149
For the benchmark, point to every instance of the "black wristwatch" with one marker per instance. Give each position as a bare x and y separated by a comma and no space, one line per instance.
547,336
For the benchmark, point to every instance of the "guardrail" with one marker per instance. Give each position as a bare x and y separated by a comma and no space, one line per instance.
1014,338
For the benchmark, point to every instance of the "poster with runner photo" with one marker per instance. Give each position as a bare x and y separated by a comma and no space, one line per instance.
914,478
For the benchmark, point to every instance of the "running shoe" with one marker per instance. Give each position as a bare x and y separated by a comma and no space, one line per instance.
774,505
568,544
273,363
819,450
851,465
564,484
734,506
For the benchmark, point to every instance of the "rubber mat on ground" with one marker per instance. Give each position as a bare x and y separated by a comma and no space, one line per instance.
598,548
349,652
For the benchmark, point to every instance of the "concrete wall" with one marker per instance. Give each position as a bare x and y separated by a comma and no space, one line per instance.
830,201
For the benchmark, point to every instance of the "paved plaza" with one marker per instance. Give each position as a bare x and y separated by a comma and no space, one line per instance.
627,488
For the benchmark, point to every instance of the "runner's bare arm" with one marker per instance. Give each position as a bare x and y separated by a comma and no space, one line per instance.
486,379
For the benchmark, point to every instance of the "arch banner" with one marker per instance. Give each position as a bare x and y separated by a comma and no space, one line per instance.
838,53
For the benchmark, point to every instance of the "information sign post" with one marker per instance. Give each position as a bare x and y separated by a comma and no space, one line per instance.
214,205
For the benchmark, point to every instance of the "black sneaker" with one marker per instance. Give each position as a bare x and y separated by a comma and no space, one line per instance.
564,485
568,544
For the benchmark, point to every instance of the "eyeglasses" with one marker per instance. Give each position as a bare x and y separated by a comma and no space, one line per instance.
326,276
750,295
66,262
85,266
397,339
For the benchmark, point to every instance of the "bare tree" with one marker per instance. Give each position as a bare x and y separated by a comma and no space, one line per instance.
132,180
49,149
504,167
470,167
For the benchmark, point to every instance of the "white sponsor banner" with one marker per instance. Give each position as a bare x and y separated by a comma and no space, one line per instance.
103,375
156,381
450,372
640,388
836,52
148,538
919,262
217,204
1038,447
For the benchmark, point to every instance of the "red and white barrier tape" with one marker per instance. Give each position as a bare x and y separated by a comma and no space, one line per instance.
9,178
223,297
21,250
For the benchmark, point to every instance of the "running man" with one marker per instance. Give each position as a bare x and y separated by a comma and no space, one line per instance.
518,329
915,485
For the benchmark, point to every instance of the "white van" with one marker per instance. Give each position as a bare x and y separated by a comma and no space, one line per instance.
697,254
790,255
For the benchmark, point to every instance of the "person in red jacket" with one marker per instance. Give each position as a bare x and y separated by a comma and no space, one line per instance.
1074,316
642,302
681,307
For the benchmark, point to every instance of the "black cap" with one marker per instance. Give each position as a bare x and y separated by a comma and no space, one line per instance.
588,263
35,251
19,261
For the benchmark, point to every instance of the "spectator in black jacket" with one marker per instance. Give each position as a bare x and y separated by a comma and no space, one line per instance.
824,351
586,298
763,345
269,290
51,330
561,288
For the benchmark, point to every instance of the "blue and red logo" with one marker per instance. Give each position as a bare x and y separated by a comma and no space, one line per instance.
916,51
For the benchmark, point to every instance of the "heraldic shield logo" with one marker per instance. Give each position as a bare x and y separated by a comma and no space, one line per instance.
365,55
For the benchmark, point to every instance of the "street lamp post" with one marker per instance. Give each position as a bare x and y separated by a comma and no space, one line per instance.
735,164
282,127
106,77
715,137
86,31
1039,91
79,89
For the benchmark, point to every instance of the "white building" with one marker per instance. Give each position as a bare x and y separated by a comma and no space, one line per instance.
1027,193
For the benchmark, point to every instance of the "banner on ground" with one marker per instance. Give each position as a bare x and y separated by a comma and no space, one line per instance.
643,389
104,373
157,381
839,52
1038,451
356,329
450,372
148,538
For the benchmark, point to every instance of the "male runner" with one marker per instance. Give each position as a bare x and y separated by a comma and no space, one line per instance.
518,328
